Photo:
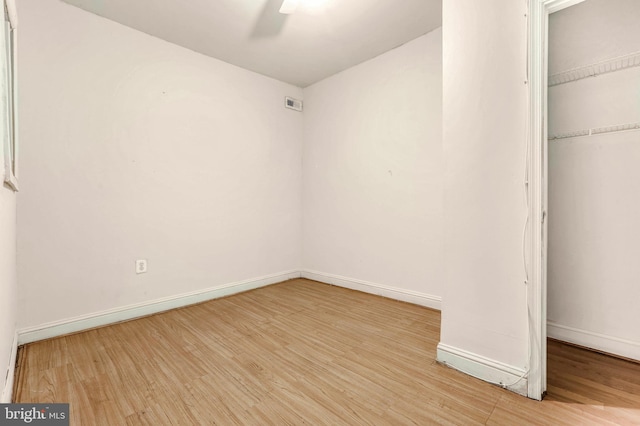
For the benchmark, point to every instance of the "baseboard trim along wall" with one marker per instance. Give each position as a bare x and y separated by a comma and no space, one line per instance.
600,342
483,368
111,316
427,300
7,392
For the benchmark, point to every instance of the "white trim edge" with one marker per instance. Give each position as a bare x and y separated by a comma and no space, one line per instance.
12,12
483,368
111,316
538,19
7,392
589,339
417,298
557,5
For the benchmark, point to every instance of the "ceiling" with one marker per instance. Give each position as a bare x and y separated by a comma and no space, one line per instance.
322,38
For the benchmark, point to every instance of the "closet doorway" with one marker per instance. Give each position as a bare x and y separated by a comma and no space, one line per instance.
593,169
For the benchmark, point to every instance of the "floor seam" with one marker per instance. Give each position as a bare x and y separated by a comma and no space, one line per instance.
492,410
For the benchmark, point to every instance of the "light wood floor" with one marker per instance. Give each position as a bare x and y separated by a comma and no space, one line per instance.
302,352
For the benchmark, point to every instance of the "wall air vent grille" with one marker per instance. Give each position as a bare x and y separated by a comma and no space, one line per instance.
291,103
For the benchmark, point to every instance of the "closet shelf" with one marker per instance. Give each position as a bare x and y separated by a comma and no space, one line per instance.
596,131
604,67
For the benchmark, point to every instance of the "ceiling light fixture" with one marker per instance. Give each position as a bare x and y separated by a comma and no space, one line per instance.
288,6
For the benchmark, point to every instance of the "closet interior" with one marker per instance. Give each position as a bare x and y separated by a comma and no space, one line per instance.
594,176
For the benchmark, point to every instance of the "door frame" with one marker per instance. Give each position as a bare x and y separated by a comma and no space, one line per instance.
537,188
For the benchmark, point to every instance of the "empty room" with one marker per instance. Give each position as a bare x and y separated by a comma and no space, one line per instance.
337,212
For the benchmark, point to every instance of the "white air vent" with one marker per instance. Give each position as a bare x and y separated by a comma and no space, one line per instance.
292,103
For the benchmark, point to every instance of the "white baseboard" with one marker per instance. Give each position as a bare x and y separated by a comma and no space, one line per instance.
111,316
600,342
429,301
483,368
7,392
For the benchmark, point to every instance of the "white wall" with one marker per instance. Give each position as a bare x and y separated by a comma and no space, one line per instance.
8,284
136,148
594,182
8,281
373,174
593,31
485,106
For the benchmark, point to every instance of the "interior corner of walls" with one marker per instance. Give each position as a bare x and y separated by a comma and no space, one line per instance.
482,368
7,392
403,295
112,316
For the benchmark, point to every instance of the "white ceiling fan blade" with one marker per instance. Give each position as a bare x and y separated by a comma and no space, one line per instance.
288,6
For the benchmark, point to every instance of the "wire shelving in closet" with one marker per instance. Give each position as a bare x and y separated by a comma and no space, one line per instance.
604,67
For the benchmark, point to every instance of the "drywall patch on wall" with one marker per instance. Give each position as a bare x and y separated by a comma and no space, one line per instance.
373,171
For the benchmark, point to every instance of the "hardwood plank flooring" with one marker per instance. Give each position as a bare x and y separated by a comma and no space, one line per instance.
302,352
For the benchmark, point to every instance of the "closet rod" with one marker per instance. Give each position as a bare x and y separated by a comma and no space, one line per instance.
604,67
596,131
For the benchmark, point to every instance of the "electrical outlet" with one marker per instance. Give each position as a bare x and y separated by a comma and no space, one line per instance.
141,266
